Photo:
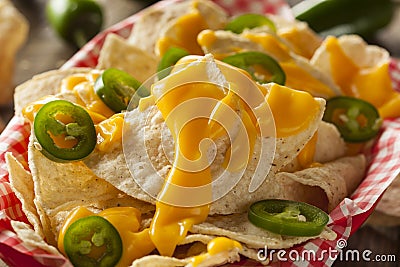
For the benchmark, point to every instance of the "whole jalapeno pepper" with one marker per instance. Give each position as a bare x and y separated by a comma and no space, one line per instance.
76,21
338,17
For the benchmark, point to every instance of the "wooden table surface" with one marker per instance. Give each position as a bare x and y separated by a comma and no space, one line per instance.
44,51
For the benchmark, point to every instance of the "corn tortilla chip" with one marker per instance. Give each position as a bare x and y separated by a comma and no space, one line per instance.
47,83
30,238
324,151
21,183
362,54
117,53
338,179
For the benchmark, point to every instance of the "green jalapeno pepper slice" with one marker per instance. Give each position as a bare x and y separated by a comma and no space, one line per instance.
171,56
93,241
68,123
248,61
249,21
287,217
356,119
116,88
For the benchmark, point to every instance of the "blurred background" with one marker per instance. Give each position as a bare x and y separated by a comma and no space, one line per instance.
43,50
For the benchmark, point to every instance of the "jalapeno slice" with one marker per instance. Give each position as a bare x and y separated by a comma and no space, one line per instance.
169,59
249,61
287,217
249,21
64,131
93,241
116,88
356,119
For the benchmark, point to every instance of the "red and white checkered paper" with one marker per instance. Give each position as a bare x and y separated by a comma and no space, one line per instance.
345,218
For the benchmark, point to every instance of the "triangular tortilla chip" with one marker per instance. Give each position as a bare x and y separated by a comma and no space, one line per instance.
338,179
117,53
21,183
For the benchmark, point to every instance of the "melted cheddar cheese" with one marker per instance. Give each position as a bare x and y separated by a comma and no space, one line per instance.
292,110
306,155
171,223
215,246
109,132
82,85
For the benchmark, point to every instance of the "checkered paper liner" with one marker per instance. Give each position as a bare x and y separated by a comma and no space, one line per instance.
345,219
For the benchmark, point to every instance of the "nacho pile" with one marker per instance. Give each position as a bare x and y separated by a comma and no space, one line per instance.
175,170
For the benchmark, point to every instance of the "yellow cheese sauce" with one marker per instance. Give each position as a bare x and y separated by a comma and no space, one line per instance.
170,223
300,79
306,155
292,110
83,87
304,42
109,132
126,220
215,246
271,45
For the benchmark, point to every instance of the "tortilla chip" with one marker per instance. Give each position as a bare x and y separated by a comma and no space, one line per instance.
330,146
117,53
60,187
338,179
362,54
214,18
199,242
30,238
239,228
47,83
145,37
21,183
159,261
302,39
210,260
